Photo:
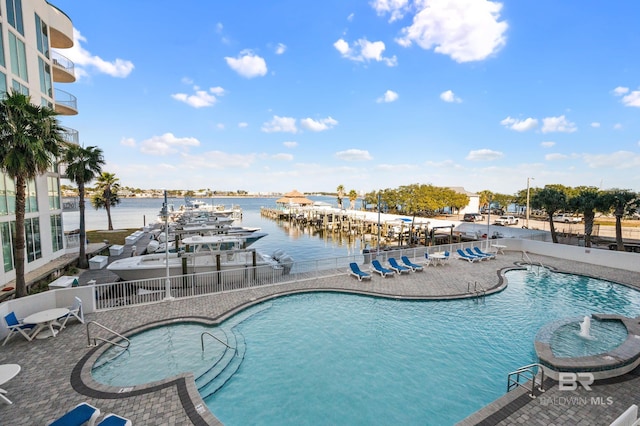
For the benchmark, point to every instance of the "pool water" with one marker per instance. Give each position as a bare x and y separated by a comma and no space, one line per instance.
566,341
328,358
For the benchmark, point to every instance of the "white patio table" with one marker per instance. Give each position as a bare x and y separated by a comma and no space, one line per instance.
43,319
7,372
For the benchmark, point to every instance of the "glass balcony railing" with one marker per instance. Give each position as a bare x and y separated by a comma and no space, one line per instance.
63,68
66,103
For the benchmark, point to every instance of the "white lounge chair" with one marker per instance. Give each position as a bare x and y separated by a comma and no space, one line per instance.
75,310
628,418
356,272
16,326
114,420
81,414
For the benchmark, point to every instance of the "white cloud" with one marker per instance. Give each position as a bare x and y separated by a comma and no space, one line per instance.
283,157
217,160
547,144
364,51
558,124
280,49
619,91
484,155
555,157
290,144
84,60
318,125
617,126
520,125
465,30
389,96
247,64
128,142
632,99
167,144
354,155
243,125
200,98
615,160
449,96
280,124
395,8
595,125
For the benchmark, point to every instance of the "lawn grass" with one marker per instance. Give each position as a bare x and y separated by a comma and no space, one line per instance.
114,237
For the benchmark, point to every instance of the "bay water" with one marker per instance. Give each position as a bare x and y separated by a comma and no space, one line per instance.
302,243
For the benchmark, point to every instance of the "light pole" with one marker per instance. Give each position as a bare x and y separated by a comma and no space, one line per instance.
165,214
527,212
378,250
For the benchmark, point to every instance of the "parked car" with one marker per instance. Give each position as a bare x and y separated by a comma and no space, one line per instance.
506,220
473,217
566,218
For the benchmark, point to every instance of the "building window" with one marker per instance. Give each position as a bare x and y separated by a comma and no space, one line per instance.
3,85
57,234
53,184
31,199
2,50
14,15
32,235
45,77
18,57
10,188
6,233
42,37
3,196
19,88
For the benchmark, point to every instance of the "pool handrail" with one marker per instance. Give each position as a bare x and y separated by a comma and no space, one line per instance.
202,340
95,339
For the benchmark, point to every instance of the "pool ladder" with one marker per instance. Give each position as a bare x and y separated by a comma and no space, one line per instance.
209,334
478,290
527,372
528,261
95,339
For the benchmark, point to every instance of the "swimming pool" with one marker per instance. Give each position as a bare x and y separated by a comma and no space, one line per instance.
344,359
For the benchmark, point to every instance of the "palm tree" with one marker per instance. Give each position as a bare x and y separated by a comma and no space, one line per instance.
83,165
340,190
551,200
30,141
587,201
353,196
621,201
106,195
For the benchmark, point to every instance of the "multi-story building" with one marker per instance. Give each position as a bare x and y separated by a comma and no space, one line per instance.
29,29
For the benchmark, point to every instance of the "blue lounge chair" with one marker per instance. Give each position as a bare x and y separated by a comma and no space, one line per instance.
464,256
481,256
384,272
356,272
414,266
395,266
114,420
482,253
81,414
16,326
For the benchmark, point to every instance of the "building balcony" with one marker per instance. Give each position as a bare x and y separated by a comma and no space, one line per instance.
66,103
63,68
70,135
60,28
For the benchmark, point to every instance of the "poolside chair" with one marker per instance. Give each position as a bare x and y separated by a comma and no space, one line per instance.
356,272
447,256
114,420
482,253
471,253
428,260
628,418
384,272
81,414
414,266
75,310
464,256
395,266
16,326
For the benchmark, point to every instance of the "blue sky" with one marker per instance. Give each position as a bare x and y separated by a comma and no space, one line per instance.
275,95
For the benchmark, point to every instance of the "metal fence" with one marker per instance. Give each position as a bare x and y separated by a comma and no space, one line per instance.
129,293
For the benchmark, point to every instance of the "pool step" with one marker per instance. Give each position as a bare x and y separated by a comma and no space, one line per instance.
225,369
221,363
